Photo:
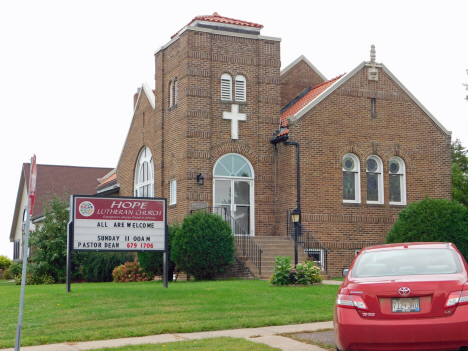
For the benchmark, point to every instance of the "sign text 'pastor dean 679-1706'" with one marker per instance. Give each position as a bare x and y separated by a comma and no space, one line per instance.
118,224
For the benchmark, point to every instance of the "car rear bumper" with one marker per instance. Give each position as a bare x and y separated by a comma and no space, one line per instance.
353,332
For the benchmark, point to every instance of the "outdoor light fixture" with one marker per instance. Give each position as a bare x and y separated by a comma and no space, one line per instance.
200,179
295,217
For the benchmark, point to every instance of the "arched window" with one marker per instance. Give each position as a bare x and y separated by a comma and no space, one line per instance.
351,178
176,91
397,181
171,93
241,88
233,186
374,180
144,174
226,87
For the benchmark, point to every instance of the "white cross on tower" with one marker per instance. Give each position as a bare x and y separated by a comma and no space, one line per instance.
235,117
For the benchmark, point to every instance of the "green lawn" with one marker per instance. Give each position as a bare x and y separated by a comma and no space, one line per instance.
212,344
110,310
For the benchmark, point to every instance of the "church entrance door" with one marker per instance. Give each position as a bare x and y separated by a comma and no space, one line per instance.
233,191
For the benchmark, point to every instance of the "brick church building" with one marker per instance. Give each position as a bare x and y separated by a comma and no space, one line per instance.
224,114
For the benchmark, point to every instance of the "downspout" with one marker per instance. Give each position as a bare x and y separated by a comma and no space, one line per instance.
298,171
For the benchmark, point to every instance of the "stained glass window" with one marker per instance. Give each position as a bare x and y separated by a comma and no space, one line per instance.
397,181
374,180
351,189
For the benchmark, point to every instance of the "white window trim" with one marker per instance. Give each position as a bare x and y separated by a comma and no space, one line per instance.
226,87
380,189
322,257
252,188
402,181
241,88
173,192
144,156
171,93
357,179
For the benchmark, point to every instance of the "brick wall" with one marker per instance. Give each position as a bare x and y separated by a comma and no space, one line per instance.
341,124
296,79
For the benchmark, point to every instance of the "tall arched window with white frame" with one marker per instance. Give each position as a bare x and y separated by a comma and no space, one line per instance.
351,179
144,174
397,181
241,88
171,93
374,180
176,91
226,87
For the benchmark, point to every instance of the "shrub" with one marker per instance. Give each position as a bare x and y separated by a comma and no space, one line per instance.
15,269
130,272
281,271
5,262
98,266
152,262
432,220
33,279
284,273
204,245
7,275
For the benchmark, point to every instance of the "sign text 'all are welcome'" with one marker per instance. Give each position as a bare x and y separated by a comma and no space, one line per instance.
118,224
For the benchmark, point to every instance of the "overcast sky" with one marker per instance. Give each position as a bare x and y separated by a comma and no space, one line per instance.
69,69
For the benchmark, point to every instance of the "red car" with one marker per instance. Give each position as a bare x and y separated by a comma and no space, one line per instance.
411,296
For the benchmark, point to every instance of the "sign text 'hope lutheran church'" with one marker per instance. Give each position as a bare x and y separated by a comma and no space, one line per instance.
118,223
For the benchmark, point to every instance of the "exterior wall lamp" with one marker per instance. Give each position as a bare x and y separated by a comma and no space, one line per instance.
200,179
296,218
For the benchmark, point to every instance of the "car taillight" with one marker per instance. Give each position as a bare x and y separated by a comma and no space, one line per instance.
457,298
347,301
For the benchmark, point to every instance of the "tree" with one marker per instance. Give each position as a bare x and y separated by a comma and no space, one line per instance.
434,220
5,262
204,245
49,243
459,173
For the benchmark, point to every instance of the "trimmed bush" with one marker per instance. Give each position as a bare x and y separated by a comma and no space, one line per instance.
152,262
7,275
204,246
130,272
5,262
432,220
98,266
15,269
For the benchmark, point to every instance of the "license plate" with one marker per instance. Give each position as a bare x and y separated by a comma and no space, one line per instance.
405,305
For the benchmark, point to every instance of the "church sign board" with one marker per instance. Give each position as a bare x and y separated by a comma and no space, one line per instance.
117,224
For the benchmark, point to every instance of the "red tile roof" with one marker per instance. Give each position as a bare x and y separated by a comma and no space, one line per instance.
215,17
111,178
305,100
58,179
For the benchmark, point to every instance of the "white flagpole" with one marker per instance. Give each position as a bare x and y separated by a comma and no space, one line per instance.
25,261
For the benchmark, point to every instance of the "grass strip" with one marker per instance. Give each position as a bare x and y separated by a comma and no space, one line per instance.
99,311
211,344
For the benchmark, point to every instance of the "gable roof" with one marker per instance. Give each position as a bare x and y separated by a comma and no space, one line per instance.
54,179
315,99
306,99
215,17
299,59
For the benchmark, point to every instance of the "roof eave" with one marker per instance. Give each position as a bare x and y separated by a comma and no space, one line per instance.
421,106
326,93
17,205
296,61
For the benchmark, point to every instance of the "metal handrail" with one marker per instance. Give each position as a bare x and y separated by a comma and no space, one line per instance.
308,242
243,240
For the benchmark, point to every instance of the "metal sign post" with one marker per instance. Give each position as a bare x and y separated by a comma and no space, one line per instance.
32,194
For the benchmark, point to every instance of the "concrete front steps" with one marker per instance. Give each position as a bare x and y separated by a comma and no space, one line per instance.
273,246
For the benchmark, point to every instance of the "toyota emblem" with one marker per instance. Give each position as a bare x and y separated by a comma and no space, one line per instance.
404,291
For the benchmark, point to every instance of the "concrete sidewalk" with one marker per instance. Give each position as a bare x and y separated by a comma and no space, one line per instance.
265,335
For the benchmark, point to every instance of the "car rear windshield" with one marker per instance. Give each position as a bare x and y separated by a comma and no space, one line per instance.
406,262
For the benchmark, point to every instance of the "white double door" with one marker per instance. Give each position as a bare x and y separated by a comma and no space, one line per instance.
235,197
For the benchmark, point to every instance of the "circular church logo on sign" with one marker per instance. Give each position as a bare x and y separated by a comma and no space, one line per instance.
86,208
